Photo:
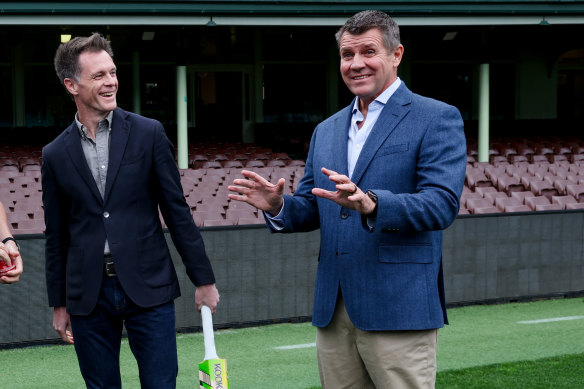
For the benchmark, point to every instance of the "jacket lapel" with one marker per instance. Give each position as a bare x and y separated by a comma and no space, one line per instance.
340,137
75,151
119,139
393,112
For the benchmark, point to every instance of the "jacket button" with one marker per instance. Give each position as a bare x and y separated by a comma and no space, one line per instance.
344,215
106,214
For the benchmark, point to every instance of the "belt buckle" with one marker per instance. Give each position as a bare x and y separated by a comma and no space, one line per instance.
110,269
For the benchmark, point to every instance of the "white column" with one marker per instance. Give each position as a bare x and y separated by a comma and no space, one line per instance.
136,97
181,118
483,140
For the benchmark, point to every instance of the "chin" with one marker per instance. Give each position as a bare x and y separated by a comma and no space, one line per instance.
362,92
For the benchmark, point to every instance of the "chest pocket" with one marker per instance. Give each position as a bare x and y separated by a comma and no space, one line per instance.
392,149
131,159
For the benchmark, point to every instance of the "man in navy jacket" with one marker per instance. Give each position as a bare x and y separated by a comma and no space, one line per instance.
383,177
104,180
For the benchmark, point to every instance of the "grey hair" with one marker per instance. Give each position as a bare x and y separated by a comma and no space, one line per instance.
370,19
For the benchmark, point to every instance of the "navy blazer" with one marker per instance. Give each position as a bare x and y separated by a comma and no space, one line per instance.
414,160
142,177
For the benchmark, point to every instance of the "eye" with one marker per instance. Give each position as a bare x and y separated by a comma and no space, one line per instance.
370,52
347,55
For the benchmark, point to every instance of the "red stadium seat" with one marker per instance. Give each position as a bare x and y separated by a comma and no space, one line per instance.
548,207
32,226
517,208
493,196
563,201
533,202
478,205
575,206
543,188
217,222
522,195
254,163
576,191
233,164
503,203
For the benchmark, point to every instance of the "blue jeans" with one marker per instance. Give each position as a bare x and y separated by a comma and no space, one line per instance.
151,334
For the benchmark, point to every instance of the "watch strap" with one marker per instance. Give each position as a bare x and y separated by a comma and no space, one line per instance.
372,196
12,239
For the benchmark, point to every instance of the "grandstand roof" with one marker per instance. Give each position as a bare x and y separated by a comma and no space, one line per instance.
288,11
295,7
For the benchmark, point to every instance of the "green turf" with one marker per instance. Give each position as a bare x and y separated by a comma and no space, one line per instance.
484,335
562,372
484,347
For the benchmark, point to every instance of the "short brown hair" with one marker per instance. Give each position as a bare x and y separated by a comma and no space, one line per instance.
67,55
370,19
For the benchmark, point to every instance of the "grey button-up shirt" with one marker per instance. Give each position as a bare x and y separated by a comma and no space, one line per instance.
97,153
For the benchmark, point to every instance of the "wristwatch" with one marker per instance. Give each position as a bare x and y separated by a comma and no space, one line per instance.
372,196
12,239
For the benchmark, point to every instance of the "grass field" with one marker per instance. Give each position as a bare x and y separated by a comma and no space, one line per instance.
498,346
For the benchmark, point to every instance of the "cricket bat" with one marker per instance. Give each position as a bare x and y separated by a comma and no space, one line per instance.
212,371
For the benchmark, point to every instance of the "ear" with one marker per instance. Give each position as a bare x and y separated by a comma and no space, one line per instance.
71,86
397,55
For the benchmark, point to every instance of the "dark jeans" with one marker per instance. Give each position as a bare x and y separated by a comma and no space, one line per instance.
151,334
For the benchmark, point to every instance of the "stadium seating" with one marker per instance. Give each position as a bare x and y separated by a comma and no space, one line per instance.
525,175
522,175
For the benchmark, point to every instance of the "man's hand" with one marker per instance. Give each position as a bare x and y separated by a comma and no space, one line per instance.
257,191
9,253
347,195
207,295
62,324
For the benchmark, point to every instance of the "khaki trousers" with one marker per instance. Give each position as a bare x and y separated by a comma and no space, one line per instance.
349,358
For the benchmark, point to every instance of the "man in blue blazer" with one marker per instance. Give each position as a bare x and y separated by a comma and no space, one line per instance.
383,177
108,265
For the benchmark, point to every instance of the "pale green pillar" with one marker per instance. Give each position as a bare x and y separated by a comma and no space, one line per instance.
483,140
181,118
136,97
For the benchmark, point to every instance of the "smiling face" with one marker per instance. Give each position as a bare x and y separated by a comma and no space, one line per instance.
95,91
367,66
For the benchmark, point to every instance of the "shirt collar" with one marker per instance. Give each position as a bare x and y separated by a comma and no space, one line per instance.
383,98
83,130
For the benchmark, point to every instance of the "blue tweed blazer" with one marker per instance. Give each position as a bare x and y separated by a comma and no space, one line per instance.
414,160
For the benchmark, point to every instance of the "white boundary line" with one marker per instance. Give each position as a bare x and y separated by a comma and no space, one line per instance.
295,346
553,319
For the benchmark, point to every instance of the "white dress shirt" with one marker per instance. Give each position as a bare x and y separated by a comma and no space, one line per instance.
358,136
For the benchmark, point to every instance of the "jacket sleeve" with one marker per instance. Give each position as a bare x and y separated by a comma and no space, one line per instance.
176,212
56,234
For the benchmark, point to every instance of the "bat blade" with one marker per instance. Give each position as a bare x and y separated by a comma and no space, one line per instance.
213,370
213,374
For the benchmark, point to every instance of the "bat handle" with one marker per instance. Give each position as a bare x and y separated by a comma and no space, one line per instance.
209,338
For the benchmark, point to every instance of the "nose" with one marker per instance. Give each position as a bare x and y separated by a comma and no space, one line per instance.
357,62
110,78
